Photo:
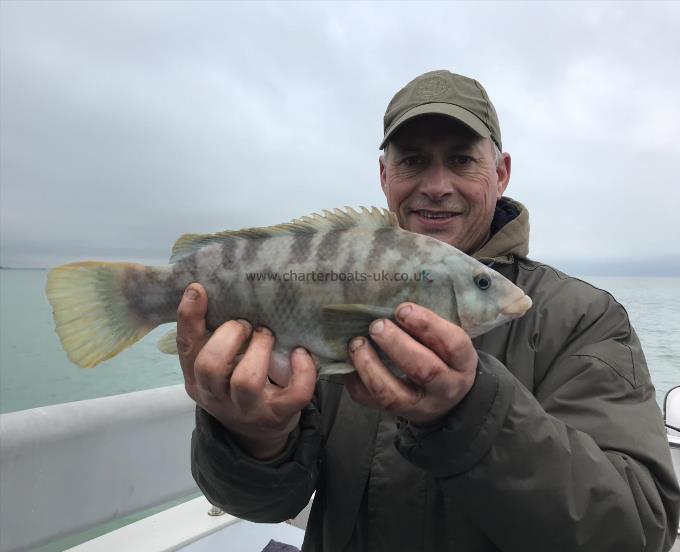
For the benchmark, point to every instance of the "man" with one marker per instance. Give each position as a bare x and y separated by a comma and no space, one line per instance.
541,435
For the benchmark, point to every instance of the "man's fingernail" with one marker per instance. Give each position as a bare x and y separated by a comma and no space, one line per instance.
356,343
264,330
191,294
377,327
403,312
299,351
244,323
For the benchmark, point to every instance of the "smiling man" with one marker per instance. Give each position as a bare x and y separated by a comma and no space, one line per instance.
416,172
540,435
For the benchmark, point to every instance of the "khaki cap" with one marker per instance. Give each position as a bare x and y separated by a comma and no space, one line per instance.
444,93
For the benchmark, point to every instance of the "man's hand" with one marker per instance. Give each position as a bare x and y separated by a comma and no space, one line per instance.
436,356
259,414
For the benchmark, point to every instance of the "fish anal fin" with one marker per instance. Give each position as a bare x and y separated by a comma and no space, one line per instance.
168,342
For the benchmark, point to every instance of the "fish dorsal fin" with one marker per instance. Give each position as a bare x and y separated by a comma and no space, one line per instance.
372,217
329,220
188,243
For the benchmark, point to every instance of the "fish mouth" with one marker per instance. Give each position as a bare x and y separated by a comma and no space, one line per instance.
517,308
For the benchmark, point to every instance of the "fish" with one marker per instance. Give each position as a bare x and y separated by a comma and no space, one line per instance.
317,282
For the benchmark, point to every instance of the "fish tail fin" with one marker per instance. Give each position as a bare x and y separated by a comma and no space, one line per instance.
92,314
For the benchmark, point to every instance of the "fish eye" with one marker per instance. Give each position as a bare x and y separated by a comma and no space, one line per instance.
482,281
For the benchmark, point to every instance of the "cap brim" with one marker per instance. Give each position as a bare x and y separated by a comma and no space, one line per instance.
448,110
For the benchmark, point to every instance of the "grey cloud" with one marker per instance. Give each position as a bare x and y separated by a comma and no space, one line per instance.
125,125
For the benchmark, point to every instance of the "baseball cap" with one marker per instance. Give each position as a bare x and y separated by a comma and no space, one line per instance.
443,93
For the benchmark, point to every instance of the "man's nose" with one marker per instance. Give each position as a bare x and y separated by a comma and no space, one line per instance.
437,182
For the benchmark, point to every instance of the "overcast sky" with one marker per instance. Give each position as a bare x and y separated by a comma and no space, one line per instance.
126,124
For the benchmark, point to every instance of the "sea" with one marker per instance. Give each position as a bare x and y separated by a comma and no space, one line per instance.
34,370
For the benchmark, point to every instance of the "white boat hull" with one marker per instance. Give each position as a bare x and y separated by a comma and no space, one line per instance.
72,467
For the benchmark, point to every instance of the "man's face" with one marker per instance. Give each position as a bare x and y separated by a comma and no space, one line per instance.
441,179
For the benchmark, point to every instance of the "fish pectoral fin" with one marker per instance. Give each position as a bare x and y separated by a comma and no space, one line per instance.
333,368
168,343
340,323
354,316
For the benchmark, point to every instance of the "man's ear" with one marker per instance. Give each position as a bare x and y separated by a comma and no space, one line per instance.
503,173
383,176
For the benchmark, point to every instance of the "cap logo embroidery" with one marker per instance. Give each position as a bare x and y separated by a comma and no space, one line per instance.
432,88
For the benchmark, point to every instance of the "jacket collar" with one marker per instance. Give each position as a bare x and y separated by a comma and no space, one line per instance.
510,234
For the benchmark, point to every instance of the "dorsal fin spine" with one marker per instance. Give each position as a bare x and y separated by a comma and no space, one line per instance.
337,219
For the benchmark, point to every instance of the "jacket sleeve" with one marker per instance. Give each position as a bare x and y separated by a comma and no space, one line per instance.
261,491
582,463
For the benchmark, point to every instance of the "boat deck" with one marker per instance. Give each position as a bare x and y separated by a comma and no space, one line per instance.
189,527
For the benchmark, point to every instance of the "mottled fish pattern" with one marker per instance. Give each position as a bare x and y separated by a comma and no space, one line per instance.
316,282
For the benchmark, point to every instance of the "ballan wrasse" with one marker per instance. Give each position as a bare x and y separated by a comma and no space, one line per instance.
317,281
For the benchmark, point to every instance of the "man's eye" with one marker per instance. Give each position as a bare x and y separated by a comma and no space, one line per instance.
461,160
412,160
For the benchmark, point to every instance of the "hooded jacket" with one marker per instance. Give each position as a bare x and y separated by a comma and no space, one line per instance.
558,446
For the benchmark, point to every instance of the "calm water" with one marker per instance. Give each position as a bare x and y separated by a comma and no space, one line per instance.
34,370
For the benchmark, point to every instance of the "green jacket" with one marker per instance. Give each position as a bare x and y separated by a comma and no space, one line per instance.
558,446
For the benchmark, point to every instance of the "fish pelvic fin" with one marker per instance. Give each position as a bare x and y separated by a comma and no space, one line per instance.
348,217
91,312
334,368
